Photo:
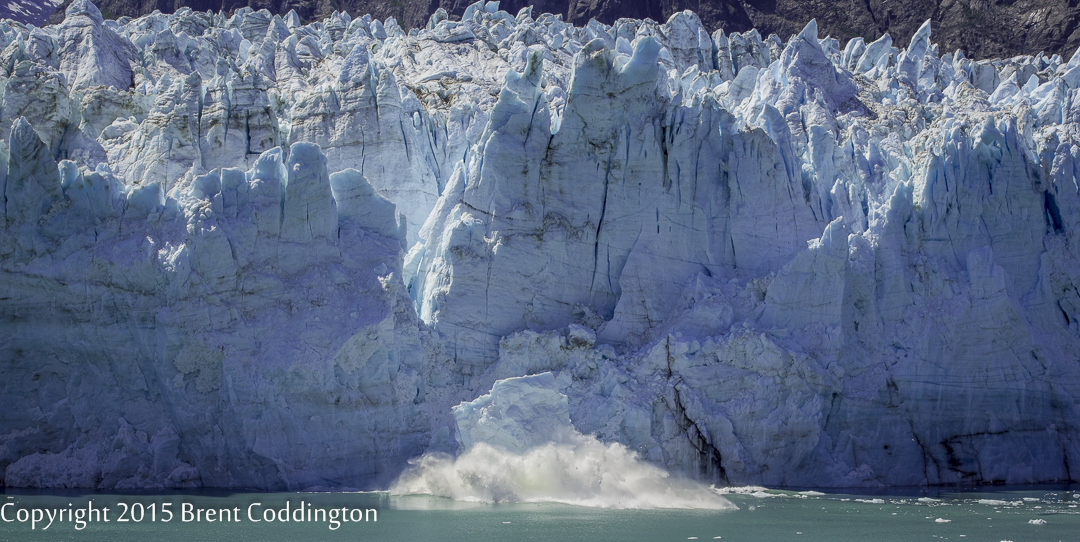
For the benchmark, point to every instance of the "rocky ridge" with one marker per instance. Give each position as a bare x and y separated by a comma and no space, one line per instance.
981,29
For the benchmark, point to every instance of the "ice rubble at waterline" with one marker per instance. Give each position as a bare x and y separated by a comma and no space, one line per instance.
243,251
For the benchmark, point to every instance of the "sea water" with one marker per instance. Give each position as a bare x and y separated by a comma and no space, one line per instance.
1025,514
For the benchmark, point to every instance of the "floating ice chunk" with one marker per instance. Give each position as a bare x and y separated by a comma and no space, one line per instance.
740,490
1037,521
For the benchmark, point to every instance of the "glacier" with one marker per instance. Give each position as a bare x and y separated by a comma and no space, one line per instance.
242,251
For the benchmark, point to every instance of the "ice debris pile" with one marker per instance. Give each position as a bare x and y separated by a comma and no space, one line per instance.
518,445
242,251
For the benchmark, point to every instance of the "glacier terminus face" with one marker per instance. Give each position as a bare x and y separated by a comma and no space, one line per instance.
241,251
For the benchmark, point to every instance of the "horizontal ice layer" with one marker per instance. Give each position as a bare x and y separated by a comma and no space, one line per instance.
752,260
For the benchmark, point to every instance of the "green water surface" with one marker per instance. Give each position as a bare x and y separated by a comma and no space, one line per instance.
967,515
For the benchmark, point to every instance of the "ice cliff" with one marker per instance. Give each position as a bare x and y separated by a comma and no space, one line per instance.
241,251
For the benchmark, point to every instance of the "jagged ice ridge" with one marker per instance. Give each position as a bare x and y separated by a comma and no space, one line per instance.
245,252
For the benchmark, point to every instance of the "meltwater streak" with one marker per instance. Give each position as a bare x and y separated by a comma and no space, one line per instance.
580,470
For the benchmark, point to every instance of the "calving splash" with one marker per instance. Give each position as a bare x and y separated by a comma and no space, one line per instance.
519,446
